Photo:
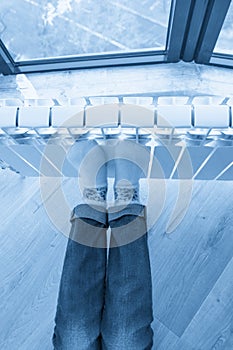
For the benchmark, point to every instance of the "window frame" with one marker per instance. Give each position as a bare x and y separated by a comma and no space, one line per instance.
222,60
213,22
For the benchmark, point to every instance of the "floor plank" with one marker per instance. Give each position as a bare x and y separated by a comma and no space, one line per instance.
187,263
31,256
163,338
216,313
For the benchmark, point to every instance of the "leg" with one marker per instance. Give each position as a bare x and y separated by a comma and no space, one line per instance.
127,314
81,294
128,298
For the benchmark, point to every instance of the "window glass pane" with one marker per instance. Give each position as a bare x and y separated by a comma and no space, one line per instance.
40,28
225,40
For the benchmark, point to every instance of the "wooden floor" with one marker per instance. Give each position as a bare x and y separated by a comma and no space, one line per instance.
192,268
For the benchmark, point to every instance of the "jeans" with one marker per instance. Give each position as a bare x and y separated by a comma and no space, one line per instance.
105,303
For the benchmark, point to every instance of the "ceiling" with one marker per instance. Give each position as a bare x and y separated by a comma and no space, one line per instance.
43,35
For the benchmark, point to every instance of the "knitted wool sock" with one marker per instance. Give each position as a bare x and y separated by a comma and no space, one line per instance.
95,195
126,194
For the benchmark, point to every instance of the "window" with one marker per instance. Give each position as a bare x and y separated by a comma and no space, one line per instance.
35,29
225,41
47,35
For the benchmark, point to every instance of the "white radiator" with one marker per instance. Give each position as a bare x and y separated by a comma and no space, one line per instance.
170,128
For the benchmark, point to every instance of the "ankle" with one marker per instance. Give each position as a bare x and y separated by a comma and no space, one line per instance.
126,194
96,195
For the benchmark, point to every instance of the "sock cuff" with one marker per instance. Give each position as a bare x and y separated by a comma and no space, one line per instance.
96,194
126,194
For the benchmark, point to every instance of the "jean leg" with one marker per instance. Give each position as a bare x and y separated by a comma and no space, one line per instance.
81,295
127,316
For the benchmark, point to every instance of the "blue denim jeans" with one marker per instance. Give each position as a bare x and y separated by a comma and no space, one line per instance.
105,303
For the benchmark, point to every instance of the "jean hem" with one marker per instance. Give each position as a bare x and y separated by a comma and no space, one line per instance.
95,212
117,211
